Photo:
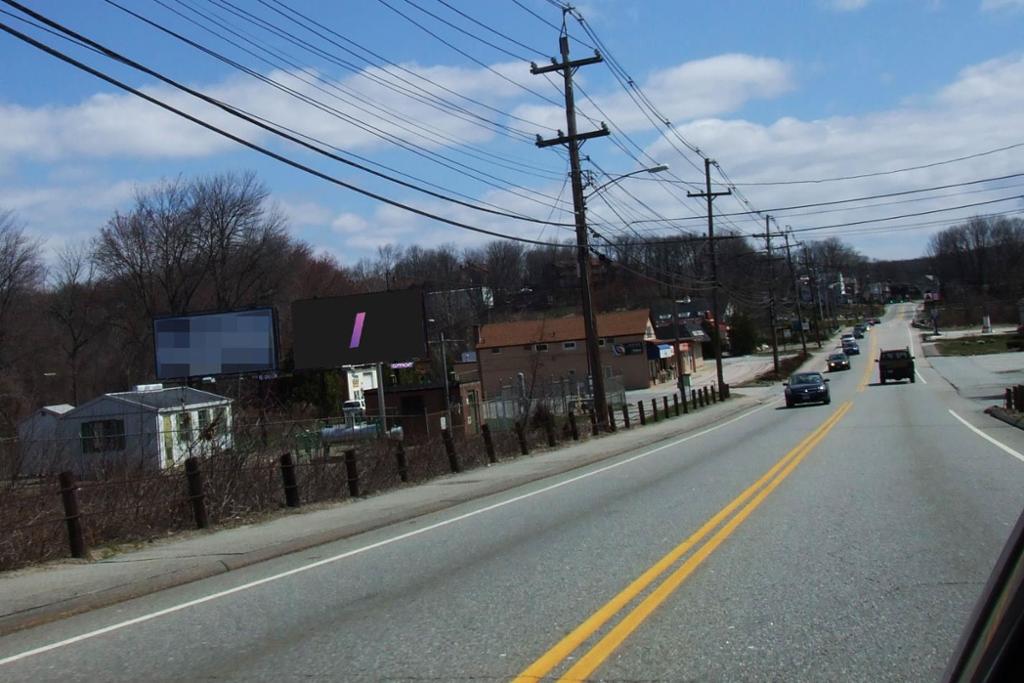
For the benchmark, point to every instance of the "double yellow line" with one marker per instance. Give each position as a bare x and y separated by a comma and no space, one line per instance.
746,502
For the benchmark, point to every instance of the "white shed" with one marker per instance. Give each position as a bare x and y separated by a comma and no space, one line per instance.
37,436
151,428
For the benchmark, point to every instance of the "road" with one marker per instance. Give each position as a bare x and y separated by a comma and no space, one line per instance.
840,542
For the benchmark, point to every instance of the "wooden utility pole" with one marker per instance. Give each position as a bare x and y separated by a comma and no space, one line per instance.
572,140
796,295
771,294
716,337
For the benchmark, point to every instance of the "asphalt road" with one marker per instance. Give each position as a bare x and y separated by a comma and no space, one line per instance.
840,542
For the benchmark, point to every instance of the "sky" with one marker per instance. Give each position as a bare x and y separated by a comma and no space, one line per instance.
438,95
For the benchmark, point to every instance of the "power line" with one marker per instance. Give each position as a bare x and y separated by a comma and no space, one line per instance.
111,54
908,215
493,30
881,173
419,150
258,148
439,102
466,54
884,195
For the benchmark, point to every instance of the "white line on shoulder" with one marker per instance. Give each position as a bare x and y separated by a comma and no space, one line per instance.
988,438
357,551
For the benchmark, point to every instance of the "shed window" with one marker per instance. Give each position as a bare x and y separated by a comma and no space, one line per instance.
496,350
541,347
569,346
102,435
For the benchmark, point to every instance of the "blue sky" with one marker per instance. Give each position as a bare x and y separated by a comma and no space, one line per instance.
773,91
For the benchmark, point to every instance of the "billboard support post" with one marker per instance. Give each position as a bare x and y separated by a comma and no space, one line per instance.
382,409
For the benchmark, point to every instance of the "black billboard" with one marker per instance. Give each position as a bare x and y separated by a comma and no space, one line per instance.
363,328
212,344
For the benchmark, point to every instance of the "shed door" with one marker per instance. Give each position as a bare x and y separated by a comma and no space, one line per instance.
168,433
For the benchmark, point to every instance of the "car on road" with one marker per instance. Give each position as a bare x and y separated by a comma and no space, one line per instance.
895,364
875,321
851,348
838,361
847,337
859,330
807,387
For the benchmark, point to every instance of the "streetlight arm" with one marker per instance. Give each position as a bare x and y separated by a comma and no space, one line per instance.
654,169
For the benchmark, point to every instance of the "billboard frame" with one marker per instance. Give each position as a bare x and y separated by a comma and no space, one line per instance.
275,333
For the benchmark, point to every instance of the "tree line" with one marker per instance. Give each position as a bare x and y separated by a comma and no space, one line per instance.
79,322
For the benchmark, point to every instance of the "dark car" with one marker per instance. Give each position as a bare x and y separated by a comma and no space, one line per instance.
807,387
838,361
858,331
895,364
851,348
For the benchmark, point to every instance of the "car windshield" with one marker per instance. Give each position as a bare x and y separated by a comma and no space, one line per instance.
806,378
837,356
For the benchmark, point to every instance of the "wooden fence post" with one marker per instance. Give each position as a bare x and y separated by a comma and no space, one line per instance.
288,478
485,429
69,496
194,478
449,447
352,472
524,448
401,462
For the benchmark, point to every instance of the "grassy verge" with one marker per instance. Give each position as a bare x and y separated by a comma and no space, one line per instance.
786,368
980,345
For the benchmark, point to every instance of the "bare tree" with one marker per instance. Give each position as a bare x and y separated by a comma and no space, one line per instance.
76,307
239,238
155,248
21,271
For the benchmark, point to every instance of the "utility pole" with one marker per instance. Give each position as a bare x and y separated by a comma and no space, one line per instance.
812,282
716,337
771,295
796,295
572,141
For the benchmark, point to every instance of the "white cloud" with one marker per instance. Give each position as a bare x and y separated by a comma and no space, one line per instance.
995,5
121,125
982,109
705,87
848,5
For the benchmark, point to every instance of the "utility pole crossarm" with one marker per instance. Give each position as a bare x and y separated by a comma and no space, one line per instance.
558,66
580,137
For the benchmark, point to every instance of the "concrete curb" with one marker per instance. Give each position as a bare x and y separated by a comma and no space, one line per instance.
1009,417
208,567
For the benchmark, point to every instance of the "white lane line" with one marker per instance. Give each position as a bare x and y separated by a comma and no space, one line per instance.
988,438
358,551
920,376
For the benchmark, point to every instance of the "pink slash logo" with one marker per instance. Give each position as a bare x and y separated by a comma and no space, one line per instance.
357,330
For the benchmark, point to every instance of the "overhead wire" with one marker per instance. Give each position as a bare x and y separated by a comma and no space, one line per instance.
115,56
258,148
419,150
465,54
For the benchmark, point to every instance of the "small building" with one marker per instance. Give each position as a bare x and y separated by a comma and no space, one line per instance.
149,428
419,409
531,353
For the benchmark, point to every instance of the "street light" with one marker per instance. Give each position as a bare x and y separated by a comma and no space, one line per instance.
653,169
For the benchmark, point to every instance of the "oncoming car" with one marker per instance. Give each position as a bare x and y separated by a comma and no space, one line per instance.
838,361
807,387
